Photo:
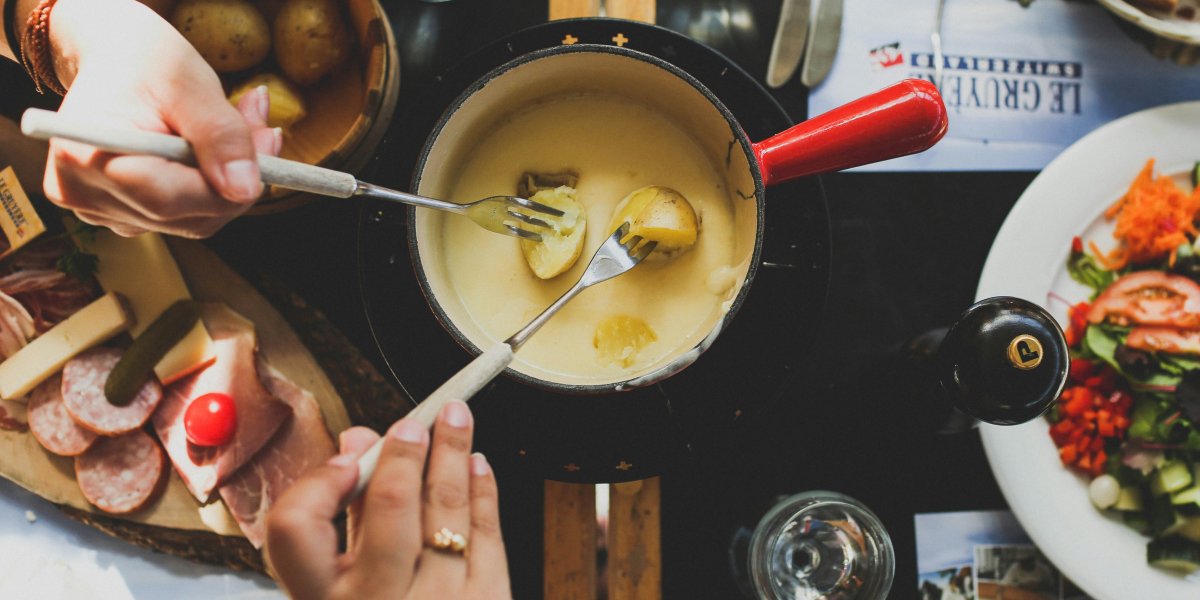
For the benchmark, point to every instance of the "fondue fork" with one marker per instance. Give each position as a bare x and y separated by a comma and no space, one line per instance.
613,258
509,215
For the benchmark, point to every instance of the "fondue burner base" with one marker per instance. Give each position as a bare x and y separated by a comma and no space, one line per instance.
623,436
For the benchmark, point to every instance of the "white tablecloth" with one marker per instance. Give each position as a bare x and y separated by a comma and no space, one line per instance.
45,555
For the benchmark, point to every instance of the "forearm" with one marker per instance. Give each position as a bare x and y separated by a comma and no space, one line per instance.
18,11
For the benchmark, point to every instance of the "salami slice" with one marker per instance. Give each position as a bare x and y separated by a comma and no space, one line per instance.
52,425
83,394
119,475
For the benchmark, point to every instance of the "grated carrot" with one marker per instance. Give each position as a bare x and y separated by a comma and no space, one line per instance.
1154,218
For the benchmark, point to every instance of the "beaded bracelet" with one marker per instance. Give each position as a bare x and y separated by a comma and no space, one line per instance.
35,49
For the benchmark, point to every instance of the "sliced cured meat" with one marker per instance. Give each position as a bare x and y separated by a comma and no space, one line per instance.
52,425
120,474
301,443
1164,339
11,423
233,373
83,380
16,326
1149,298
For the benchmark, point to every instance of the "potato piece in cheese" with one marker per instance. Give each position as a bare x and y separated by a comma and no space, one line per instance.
143,271
46,354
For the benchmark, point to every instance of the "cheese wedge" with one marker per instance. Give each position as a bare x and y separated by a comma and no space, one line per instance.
142,270
46,354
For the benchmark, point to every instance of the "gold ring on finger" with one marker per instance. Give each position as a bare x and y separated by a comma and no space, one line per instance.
445,540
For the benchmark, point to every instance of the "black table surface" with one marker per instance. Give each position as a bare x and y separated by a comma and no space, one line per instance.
907,251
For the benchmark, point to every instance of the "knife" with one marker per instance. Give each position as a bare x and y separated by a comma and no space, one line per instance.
822,42
789,42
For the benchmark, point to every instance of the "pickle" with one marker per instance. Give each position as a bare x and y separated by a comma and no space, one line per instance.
136,366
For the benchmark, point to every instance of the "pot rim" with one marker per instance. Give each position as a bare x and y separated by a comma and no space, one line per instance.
679,363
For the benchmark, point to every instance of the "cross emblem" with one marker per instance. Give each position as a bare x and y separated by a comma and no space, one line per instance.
623,466
620,39
571,467
570,39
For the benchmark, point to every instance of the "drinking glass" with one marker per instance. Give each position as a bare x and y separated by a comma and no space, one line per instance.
815,545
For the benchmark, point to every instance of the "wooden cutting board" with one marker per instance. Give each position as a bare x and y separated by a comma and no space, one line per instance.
176,510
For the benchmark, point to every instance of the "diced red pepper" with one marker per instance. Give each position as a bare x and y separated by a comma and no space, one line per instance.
1084,462
1091,411
1076,245
1081,369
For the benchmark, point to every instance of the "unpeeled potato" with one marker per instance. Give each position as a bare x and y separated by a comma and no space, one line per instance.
658,214
230,34
560,248
311,39
286,106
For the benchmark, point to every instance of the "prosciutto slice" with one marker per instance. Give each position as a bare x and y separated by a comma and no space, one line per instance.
259,412
302,442
16,326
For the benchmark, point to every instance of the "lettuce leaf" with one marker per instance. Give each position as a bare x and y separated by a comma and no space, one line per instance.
1084,269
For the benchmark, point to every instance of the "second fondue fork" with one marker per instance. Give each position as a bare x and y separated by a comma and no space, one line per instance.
614,257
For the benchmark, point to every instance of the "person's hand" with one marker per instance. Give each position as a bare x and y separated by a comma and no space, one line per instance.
125,66
390,528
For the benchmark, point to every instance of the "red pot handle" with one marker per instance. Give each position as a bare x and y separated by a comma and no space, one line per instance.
904,118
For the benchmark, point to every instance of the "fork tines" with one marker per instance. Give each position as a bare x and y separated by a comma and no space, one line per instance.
638,250
524,233
535,206
524,218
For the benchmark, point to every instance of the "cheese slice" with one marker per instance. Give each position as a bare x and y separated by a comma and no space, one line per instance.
142,270
47,353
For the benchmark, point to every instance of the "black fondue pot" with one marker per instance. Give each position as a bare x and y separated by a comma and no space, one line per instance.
606,436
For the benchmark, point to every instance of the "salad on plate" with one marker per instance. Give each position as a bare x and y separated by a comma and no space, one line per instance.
1129,416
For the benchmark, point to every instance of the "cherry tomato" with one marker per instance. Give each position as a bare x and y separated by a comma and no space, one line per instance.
210,420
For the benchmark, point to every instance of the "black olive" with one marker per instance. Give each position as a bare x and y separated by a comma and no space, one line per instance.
1187,394
1135,363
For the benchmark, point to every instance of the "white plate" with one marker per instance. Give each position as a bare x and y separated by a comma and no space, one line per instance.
1159,22
1027,260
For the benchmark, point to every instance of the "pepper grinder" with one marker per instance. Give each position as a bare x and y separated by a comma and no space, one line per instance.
1004,362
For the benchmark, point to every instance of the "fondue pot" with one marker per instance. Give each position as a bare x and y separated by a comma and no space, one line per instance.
905,118
764,356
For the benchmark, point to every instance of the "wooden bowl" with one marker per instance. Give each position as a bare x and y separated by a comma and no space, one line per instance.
347,112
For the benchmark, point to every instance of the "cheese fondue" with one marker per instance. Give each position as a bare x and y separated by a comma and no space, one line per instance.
616,146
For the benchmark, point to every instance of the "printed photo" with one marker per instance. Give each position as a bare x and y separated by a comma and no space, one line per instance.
945,549
947,584
1015,572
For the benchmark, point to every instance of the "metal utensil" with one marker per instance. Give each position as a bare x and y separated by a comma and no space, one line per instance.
935,39
790,38
613,258
509,215
822,42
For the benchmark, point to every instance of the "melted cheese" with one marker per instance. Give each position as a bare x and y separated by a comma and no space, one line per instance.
616,146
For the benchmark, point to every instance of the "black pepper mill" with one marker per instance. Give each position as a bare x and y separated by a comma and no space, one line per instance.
1004,362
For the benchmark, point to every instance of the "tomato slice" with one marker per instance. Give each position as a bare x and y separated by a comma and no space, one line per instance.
1149,298
1164,339
210,420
